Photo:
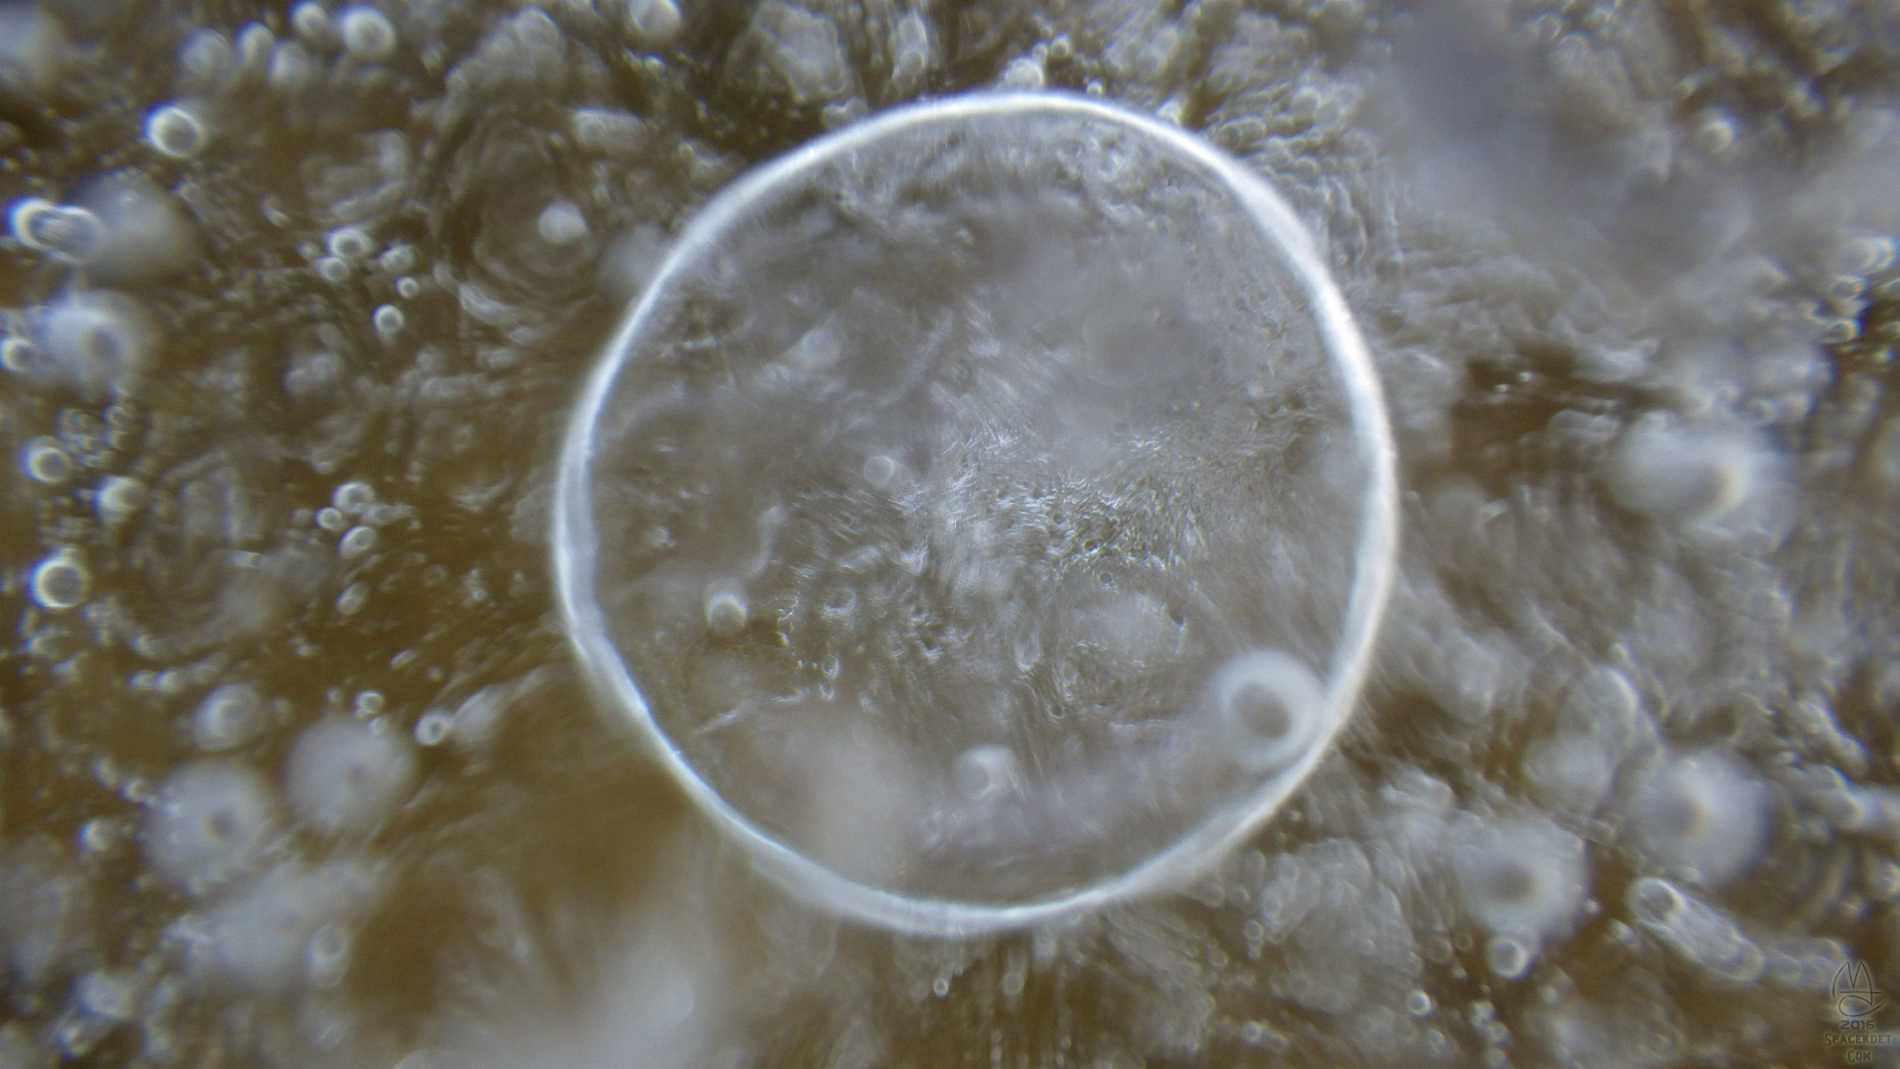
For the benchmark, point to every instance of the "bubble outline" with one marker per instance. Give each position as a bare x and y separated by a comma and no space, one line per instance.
574,542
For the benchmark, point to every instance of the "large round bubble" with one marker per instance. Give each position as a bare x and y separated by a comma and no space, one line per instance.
986,511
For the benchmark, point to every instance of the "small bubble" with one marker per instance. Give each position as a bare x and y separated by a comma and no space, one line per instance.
880,471
407,288
118,497
227,718
212,820
206,54
175,131
725,613
1843,288
312,23
46,462
367,33
389,320
333,269
27,220
350,243
60,581
353,598
397,260
1715,135
1865,256
331,519
254,41
1654,902
75,235
655,23
96,836
97,337
21,356
326,956
356,542
353,498
1272,706
345,776
369,703
1507,956
561,223
1418,1004
433,727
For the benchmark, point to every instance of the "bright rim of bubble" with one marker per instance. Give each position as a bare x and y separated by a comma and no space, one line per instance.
575,544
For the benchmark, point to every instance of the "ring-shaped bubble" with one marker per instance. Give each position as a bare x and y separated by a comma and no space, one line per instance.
842,565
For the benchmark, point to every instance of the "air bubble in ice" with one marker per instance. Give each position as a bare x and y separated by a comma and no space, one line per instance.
175,131
211,821
725,613
1022,73
1671,473
46,461
1508,956
72,234
350,244
433,727
326,956
311,23
206,55
880,471
21,356
1702,818
227,718
117,497
561,223
388,320
146,232
655,24
1269,705
1522,877
61,581
346,775
98,338
367,33
356,542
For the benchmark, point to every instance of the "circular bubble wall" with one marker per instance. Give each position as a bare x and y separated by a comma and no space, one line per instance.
298,766
971,504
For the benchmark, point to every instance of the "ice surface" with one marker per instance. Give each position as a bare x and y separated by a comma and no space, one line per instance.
1627,273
